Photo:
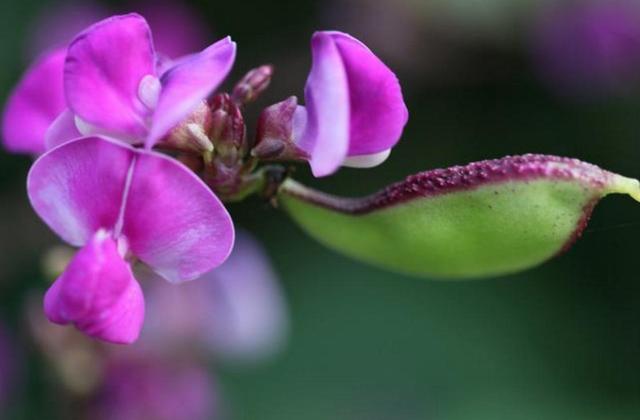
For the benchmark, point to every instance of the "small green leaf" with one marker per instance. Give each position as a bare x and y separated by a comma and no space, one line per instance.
484,219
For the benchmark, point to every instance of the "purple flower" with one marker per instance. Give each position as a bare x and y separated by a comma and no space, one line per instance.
116,84
589,47
121,205
354,110
155,389
113,83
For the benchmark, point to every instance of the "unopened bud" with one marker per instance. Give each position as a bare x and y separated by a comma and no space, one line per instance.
277,132
252,85
191,135
228,131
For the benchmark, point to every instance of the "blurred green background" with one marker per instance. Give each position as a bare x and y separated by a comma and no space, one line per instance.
561,341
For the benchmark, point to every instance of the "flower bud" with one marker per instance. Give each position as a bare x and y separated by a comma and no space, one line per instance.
277,130
228,131
252,85
191,135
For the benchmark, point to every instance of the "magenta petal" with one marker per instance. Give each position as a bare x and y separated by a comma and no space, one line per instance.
77,188
34,104
98,294
326,136
187,83
170,219
62,130
378,112
173,222
102,74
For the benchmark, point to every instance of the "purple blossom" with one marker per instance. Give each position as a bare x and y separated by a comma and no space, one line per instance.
123,204
354,113
116,84
582,48
113,83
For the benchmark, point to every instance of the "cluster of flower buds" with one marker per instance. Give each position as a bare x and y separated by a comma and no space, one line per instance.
252,85
224,172
213,140
354,111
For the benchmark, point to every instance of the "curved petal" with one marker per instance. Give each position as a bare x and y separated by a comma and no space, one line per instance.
62,130
34,104
98,294
103,70
187,83
77,188
378,112
169,217
172,221
326,135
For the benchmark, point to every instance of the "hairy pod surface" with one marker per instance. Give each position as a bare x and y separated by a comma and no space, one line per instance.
484,219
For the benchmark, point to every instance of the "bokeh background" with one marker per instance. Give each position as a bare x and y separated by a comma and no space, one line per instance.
482,79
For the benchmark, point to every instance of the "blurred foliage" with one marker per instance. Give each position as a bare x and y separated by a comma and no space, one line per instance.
559,342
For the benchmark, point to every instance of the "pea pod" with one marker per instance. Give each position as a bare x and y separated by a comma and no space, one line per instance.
484,219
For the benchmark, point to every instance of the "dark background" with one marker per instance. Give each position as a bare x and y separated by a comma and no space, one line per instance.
561,341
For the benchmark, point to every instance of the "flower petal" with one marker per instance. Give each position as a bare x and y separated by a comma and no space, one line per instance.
378,112
62,130
102,74
326,135
98,293
173,222
187,83
34,104
77,188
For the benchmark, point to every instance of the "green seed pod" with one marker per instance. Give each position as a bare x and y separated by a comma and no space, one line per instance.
487,218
